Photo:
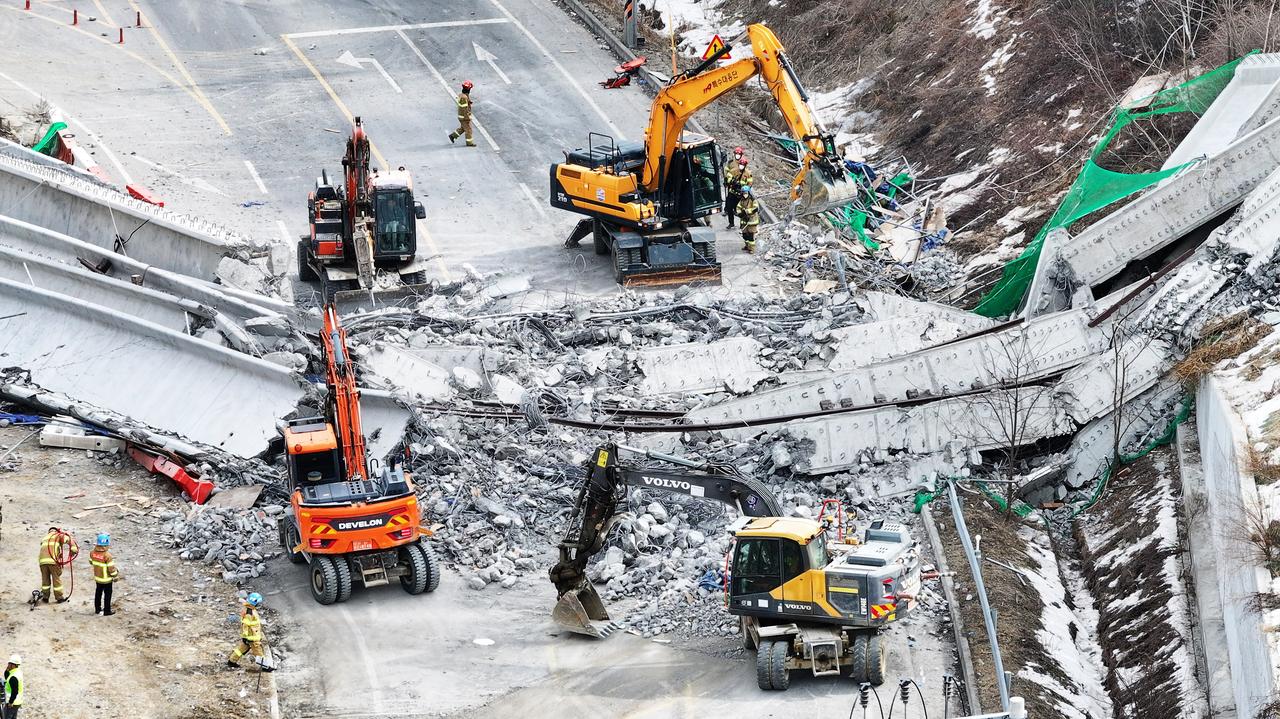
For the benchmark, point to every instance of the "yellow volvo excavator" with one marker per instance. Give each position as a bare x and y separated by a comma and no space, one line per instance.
804,602
646,203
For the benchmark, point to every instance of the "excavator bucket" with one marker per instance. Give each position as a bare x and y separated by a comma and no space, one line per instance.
821,191
582,612
352,301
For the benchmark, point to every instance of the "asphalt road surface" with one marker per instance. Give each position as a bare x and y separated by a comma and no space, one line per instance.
229,109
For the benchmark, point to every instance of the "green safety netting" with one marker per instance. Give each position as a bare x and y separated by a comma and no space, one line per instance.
925,496
49,144
1096,187
1170,431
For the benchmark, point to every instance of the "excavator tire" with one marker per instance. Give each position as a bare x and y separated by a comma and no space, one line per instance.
324,579
747,642
289,539
415,278
779,675
764,666
858,658
305,273
433,567
875,660
344,578
416,581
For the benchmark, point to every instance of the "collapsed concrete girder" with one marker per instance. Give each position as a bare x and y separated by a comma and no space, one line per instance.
1156,219
69,204
157,376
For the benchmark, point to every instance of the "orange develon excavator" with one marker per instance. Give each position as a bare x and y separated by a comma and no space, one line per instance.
353,518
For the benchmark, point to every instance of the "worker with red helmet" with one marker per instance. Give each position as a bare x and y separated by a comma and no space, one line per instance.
736,176
464,115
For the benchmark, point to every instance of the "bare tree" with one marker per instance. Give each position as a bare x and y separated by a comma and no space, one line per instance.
1016,413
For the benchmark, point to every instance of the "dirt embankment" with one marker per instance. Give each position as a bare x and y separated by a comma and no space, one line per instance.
1130,555
163,654
1042,642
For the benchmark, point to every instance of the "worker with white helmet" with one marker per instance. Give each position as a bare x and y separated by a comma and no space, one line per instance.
12,687
250,631
105,575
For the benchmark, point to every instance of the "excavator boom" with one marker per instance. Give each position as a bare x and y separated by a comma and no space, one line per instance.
344,396
821,182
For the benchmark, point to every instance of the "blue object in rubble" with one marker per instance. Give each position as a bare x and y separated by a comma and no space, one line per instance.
712,581
8,418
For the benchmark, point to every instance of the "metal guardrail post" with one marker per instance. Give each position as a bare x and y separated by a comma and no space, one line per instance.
988,616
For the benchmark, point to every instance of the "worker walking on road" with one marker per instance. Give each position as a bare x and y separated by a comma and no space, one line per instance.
250,631
12,687
749,213
464,115
737,177
105,575
57,548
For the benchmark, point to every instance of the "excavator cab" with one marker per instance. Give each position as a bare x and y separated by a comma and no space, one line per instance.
691,187
395,236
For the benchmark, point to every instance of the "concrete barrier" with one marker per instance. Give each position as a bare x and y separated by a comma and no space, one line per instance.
160,378
1229,489
59,201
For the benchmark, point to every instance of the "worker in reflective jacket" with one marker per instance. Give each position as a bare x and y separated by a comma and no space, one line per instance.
12,687
736,178
464,115
105,575
749,213
57,548
250,630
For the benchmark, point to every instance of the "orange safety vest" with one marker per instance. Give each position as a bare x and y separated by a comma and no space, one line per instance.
51,548
250,626
104,566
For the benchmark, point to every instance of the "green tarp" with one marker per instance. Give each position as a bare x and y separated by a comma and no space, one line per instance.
49,144
1096,187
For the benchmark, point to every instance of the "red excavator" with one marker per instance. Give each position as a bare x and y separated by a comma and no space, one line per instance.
354,519
368,224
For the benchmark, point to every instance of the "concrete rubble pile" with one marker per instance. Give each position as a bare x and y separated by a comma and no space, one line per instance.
239,540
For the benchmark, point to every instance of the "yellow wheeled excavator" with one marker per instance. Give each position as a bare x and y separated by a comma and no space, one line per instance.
805,600
647,203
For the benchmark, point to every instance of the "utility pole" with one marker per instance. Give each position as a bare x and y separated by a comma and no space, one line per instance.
988,617
629,23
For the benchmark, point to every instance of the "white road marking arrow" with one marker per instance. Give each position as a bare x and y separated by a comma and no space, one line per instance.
484,55
346,58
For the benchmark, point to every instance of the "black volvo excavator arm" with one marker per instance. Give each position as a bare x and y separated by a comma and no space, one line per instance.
596,511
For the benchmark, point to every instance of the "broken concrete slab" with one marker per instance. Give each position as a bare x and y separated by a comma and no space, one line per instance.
161,378
399,370
731,364
236,497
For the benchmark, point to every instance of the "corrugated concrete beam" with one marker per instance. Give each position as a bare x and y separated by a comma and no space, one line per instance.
158,377
1235,107
731,363
62,248
1042,347
91,288
51,198
1170,211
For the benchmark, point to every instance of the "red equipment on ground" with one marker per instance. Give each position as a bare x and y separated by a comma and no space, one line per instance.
623,73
